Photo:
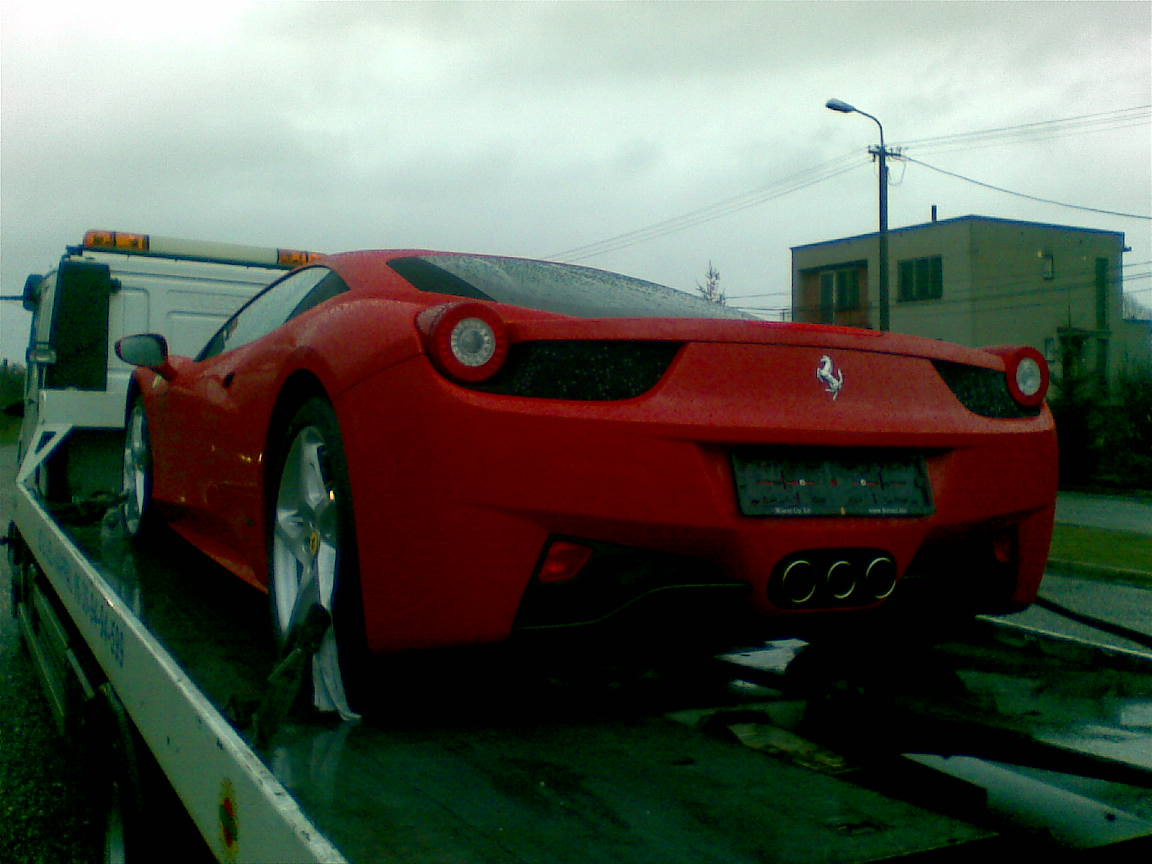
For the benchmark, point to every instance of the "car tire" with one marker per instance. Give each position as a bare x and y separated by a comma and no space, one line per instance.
136,506
113,779
313,555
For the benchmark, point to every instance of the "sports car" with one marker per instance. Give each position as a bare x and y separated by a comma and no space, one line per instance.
445,449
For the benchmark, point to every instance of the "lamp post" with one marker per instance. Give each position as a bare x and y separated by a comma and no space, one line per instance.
882,153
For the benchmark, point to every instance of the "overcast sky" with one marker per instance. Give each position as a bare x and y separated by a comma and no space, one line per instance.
537,128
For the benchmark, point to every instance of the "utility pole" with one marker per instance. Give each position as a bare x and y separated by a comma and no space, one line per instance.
885,321
881,152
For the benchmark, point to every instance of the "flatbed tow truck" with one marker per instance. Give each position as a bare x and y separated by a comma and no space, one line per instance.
995,738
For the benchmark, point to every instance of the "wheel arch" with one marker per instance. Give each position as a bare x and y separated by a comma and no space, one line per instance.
298,388
133,393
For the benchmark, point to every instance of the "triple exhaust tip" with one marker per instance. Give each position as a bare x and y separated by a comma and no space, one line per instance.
864,580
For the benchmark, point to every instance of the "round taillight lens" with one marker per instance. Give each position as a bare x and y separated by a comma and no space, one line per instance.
466,341
1029,377
472,342
1027,372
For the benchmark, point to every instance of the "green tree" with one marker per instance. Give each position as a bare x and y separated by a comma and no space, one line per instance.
11,383
711,290
1105,433
11,396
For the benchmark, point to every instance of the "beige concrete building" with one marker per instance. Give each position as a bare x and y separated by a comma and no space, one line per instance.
977,281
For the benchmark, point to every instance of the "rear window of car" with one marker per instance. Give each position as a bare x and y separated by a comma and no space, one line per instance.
583,292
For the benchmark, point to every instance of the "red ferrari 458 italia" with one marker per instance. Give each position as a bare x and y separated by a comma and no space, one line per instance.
444,449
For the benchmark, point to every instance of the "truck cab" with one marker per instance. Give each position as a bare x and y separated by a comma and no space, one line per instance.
112,284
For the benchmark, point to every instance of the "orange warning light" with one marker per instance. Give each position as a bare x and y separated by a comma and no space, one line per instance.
116,240
294,257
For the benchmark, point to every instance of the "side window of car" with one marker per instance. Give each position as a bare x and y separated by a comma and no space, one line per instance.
268,310
325,289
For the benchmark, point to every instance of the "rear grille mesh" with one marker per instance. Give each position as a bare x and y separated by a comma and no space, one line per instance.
983,391
584,370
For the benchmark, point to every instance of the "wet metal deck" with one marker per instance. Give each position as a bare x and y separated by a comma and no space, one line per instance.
470,761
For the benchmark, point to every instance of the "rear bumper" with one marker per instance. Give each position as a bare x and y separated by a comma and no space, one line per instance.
458,493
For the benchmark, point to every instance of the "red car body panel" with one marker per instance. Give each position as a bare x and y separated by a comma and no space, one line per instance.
457,492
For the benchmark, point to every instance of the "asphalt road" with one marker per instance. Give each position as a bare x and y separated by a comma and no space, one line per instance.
43,814
1116,512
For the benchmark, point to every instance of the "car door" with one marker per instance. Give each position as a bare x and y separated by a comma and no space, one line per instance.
229,402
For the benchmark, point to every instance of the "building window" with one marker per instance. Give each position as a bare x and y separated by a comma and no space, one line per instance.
839,292
921,279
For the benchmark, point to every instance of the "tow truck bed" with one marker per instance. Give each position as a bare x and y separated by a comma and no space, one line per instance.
478,760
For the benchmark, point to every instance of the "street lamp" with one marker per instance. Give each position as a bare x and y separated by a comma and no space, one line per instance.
882,152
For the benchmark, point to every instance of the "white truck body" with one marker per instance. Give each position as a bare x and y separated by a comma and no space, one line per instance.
101,290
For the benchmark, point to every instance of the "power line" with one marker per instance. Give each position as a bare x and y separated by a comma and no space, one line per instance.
1101,121
791,313
1010,280
993,298
1023,195
1024,138
1014,277
790,183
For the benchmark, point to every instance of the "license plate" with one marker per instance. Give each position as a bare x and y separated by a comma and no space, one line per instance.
855,483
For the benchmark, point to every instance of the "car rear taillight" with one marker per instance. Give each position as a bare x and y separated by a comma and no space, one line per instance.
1027,374
466,341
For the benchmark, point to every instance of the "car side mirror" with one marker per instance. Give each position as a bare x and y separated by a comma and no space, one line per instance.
145,349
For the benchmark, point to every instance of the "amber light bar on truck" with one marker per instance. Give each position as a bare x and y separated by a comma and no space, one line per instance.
196,250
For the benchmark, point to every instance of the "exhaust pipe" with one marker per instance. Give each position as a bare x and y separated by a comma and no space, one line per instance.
880,577
798,582
841,579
